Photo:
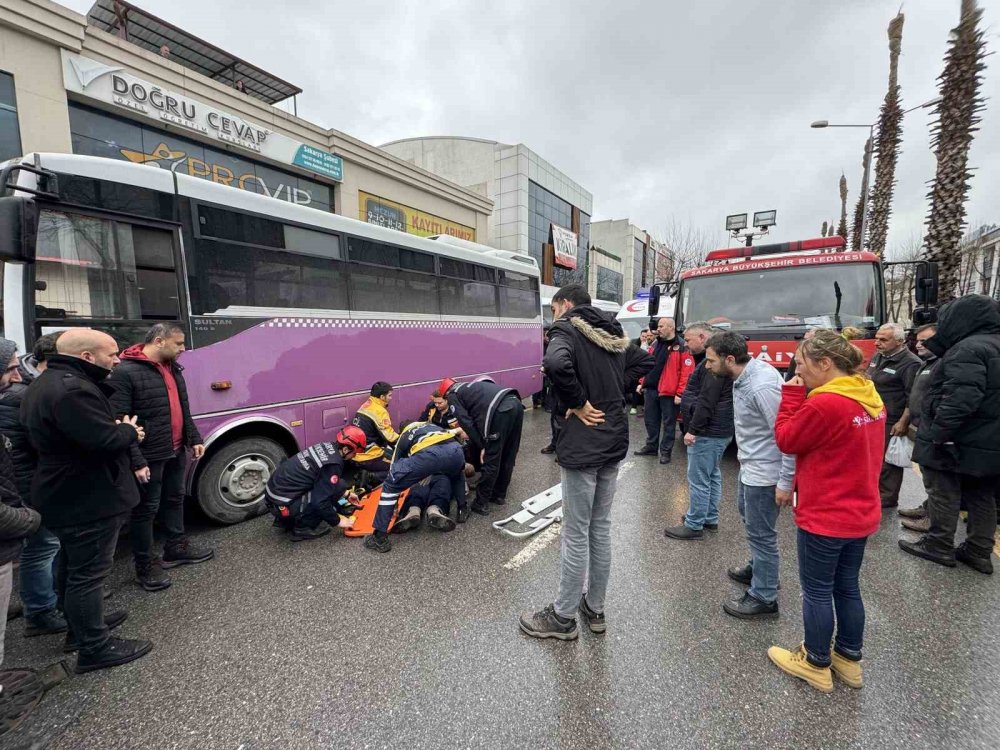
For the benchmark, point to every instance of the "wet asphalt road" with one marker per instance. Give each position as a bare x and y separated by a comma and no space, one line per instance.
327,645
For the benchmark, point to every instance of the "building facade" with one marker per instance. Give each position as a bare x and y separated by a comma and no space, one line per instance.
638,257
133,87
979,271
538,210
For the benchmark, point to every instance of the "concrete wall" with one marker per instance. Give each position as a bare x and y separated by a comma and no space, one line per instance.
32,33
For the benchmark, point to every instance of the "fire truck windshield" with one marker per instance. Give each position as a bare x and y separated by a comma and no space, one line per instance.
823,296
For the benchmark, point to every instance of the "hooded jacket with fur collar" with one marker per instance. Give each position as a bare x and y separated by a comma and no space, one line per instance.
590,359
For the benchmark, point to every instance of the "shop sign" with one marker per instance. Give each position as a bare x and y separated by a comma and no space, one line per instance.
565,244
113,85
386,213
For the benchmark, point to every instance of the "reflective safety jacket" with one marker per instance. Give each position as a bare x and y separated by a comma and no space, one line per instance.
420,435
295,477
445,418
374,419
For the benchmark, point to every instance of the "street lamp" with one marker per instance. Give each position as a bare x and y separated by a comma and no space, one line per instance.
869,149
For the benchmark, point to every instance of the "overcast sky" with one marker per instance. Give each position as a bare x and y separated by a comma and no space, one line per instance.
664,110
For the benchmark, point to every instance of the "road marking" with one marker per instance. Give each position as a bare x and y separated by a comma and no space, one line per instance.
533,547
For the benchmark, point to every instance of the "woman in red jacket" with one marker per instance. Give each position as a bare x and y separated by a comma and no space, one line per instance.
832,419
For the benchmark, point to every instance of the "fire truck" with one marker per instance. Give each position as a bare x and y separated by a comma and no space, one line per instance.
772,294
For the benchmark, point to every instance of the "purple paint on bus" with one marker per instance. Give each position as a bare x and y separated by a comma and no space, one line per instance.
317,371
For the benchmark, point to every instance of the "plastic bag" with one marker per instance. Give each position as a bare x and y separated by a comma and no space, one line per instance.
899,452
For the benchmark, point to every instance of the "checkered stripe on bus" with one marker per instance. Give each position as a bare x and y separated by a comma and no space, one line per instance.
346,323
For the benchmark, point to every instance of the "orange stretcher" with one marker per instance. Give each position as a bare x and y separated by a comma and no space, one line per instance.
364,517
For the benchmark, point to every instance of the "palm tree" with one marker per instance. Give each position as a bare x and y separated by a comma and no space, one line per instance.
842,227
958,117
857,241
822,231
890,133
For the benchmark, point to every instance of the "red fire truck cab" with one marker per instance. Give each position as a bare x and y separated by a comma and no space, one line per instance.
772,294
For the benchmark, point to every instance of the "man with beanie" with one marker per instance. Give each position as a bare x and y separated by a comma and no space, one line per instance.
589,361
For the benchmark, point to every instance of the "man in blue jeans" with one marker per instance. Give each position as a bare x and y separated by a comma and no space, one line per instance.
589,361
766,475
707,410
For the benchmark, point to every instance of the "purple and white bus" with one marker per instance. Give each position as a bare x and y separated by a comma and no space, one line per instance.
291,312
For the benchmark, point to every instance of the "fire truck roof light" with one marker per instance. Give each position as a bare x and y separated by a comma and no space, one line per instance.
820,243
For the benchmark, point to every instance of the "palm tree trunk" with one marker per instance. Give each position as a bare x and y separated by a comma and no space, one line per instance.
890,134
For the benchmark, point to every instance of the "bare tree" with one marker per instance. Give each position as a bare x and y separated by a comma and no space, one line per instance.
900,280
975,270
686,244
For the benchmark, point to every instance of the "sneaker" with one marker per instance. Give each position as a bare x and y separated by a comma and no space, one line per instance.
919,512
183,552
462,515
438,520
751,608
548,450
408,522
378,542
848,670
482,509
924,550
547,624
149,574
683,531
111,621
923,525
305,534
967,557
742,574
796,664
595,620
646,451
116,651
48,622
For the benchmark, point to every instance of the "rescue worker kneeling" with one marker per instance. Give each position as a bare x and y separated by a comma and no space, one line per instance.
373,418
307,493
423,451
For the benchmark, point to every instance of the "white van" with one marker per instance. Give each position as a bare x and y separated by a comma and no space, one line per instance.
547,292
634,315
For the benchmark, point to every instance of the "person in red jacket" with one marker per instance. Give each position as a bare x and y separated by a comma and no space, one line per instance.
663,386
832,419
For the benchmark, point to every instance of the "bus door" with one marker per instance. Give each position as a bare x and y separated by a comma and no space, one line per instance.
104,271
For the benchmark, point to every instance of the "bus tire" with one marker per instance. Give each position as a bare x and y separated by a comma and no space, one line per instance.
231,484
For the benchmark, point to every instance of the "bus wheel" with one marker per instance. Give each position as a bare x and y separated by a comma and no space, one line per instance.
231,484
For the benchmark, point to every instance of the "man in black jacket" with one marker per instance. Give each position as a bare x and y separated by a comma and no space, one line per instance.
84,487
707,412
589,361
36,574
492,417
958,438
150,384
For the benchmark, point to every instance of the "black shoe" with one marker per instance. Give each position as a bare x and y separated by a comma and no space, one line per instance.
48,622
305,534
481,509
742,574
711,527
116,651
462,515
183,552
595,620
683,531
548,450
498,500
439,520
919,512
377,542
547,624
645,451
149,574
751,608
111,621
966,556
922,549
664,460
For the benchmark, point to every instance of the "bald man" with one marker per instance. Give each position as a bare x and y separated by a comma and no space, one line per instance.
84,487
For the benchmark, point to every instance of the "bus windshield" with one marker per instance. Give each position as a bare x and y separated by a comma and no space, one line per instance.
828,296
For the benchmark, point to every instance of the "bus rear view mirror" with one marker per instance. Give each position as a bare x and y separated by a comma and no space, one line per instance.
654,301
925,289
18,229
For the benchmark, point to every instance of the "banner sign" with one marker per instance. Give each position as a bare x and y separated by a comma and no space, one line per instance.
111,84
386,213
565,244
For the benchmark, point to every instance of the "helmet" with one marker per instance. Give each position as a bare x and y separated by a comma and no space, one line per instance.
353,437
444,386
